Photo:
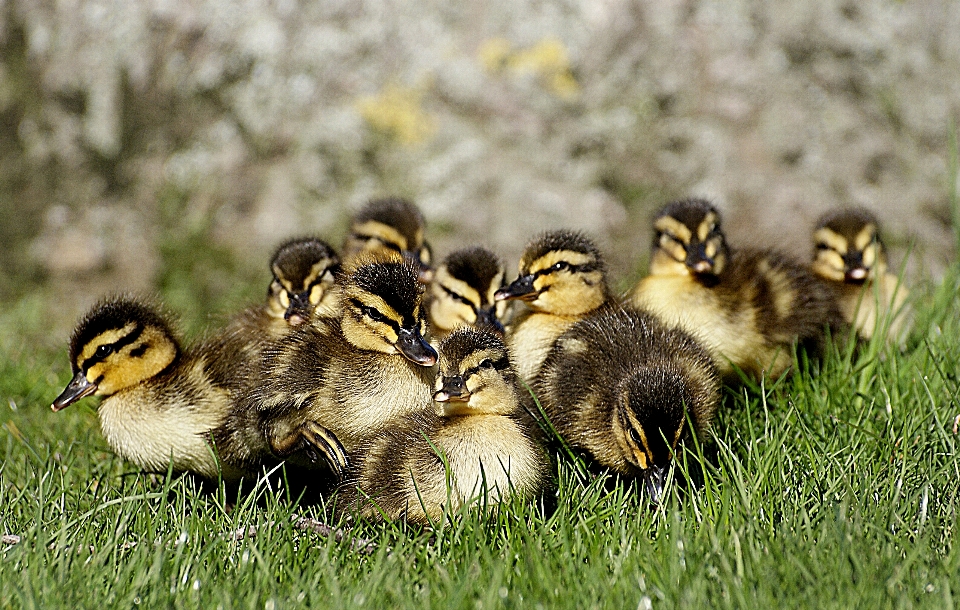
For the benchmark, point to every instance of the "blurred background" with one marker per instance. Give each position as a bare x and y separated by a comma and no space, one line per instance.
167,146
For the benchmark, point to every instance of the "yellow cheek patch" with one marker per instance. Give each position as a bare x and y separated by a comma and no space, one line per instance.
386,234
674,228
105,338
870,255
447,314
712,247
560,256
829,265
671,247
866,235
833,241
494,286
706,226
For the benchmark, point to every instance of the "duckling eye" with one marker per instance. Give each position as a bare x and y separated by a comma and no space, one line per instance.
822,246
561,265
103,351
635,436
486,363
373,314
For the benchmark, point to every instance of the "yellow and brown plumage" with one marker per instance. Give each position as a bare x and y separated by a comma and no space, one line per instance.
161,405
621,387
351,375
301,290
391,224
850,255
562,278
748,307
476,442
463,292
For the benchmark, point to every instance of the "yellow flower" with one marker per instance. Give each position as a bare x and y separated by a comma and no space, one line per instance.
396,111
547,60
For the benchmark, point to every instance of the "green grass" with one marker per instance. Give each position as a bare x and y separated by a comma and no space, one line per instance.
833,488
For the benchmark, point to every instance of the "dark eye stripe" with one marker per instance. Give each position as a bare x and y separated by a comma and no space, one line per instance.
499,364
458,297
374,315
584,268
116,346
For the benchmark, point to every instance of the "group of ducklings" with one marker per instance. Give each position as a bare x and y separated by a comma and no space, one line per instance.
416,390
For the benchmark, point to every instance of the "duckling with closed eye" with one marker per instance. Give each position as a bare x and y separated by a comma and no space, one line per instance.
351,376
747,307
390,224
562,279
463,292
477,442
851,257
621,387
161,405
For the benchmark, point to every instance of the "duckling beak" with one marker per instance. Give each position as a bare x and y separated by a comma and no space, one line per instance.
453,390
487,318
75,390
412,346
521,288
298,311
856,271
654,478
698,260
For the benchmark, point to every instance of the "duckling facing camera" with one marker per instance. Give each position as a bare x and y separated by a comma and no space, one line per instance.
349,377
161,405
302,290
463,291
747,307
392,224
477,442
562,279
851,257
621,387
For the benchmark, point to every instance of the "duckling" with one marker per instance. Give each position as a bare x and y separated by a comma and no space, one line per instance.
621,386
390,224
304,272
350,376
747,307
562,278
163,405
462,292
850,255
477,441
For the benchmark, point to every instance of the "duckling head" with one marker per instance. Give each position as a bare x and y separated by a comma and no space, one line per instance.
382,300
650,419
118,344
475,375
848,247
393,224
303,275
463,290
561,272
688,240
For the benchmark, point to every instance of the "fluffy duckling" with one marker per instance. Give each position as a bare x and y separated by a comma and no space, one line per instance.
302,290
850,255
621,387
350,376
462,292
160,404
562,278
390,224
476,442
747,307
